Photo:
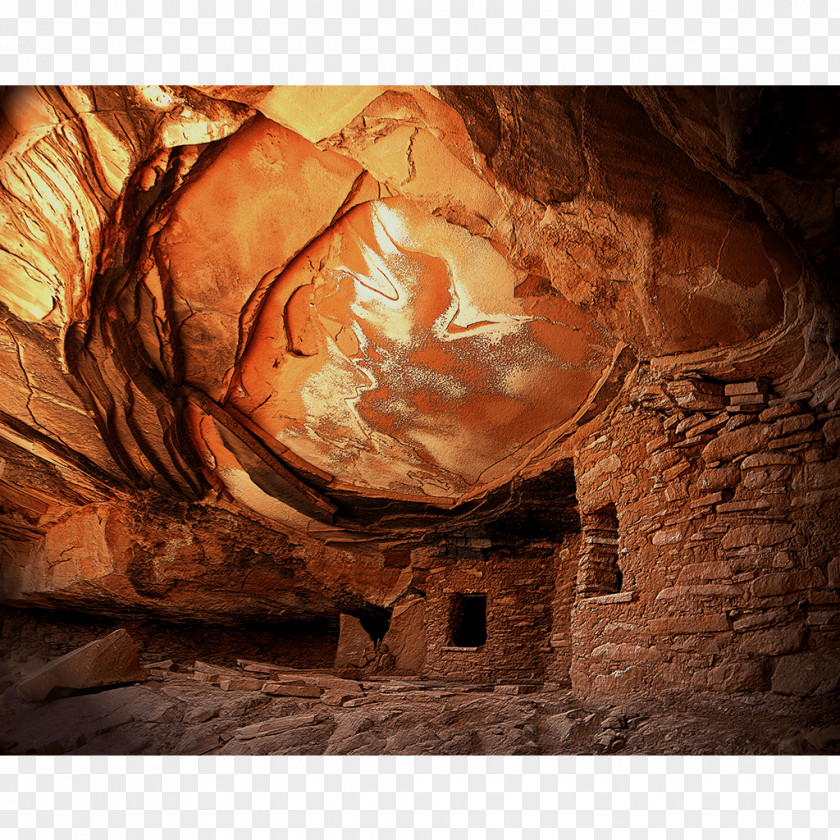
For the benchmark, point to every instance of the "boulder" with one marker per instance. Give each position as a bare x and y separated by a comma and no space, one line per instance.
558,729
112,660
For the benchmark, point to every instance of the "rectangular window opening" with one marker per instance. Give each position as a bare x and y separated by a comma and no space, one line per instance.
468,621
599,572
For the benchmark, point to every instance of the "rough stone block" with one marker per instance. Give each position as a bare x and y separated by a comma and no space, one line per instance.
791,425
292,689
273,727
240,683
163,665
736,421
514,689
823,617
689,422
720,478
824,596
799,396
355,646
611,598
338,697
661,461
783,409
708,500
766,480
708,426
795,440
200,676
814,498
406,637
667,537
619,681
712,570
761,619
672,593
773,642
743,441
111,660
733,389
783,583
676,492
831,431
258,667
604,467
656,444
748,399
806,674
768,459
679,625
821,475
743,505
692,442
736,676
200,667
766,534
697,395
702,402
558,729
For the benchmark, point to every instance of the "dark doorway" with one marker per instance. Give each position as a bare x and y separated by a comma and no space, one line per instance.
468,623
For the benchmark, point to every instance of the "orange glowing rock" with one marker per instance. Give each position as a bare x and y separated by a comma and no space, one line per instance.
446,372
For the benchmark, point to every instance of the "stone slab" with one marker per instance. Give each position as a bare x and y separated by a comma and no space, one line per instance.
111,660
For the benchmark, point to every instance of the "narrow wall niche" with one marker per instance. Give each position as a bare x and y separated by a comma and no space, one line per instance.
468,620
599,572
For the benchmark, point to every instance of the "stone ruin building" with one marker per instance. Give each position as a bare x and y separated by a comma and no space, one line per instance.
507,385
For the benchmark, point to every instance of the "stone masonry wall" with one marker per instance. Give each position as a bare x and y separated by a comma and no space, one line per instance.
519,593
727,498
560,641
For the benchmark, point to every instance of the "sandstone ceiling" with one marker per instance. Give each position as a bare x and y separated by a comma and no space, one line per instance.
359,313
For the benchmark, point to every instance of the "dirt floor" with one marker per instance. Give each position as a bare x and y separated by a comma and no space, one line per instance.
250,691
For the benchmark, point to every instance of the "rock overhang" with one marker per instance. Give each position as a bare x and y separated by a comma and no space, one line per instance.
371,304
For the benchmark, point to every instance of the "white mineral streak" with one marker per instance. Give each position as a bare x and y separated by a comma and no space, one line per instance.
481,311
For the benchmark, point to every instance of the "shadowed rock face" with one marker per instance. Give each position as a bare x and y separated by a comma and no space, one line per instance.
359,320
